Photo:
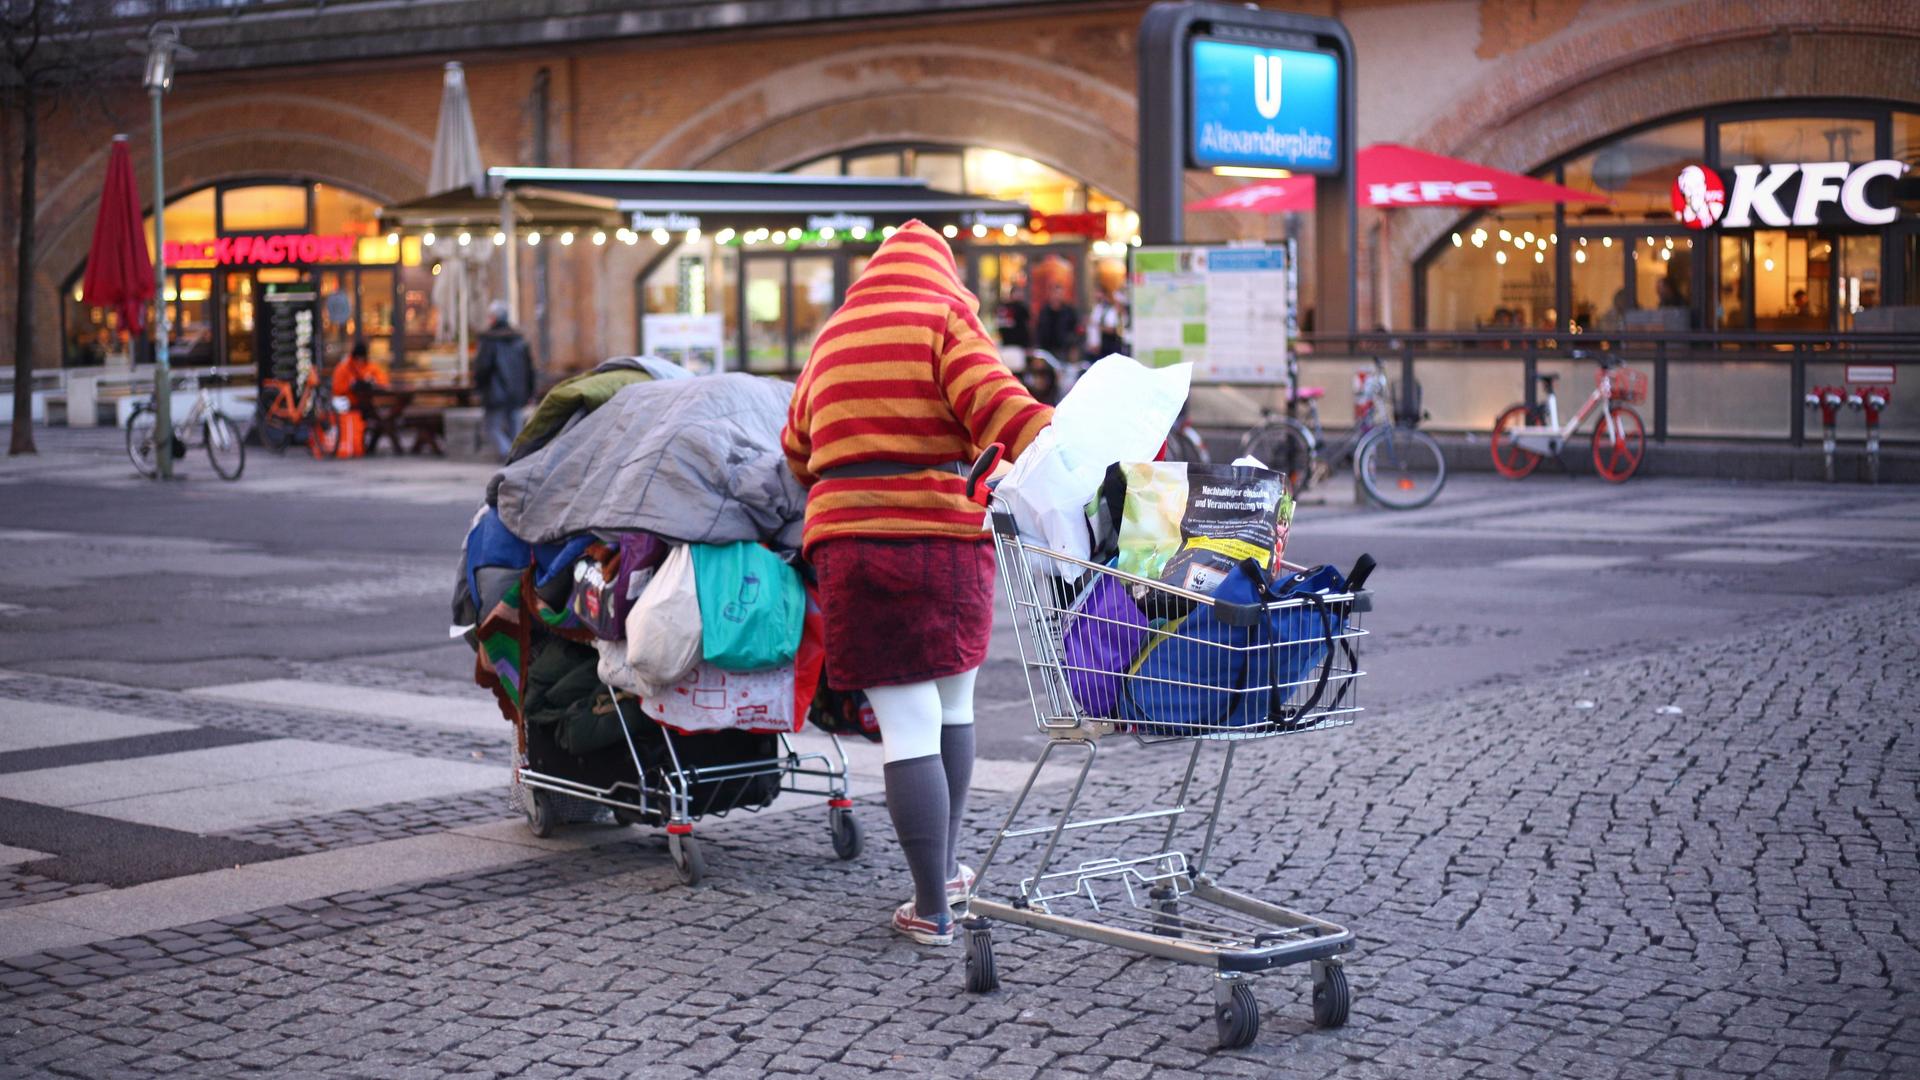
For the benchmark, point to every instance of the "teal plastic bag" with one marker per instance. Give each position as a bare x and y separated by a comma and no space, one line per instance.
752,607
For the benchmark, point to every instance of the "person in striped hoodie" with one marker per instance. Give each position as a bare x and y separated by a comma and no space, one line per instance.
901,393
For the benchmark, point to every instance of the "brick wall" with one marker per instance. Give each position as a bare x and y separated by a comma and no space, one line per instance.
1055,84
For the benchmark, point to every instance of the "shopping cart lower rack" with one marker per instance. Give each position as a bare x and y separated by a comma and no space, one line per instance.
665,784
1237,673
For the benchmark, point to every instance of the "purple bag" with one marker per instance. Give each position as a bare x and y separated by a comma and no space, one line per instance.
1102,635
641,553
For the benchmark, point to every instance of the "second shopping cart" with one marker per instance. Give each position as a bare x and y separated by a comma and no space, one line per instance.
1110,654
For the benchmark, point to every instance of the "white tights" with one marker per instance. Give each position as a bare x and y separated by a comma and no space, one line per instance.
912,715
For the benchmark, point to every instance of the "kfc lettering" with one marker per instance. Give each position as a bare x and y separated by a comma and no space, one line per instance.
1430,192
1760,194
264,250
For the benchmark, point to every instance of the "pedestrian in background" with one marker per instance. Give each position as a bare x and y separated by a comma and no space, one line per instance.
503,373
901,392
1057,327
1105,325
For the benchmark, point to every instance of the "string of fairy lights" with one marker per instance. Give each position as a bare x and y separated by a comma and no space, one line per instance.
1526,242
438,242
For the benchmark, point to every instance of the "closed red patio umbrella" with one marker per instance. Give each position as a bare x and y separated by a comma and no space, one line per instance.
119,266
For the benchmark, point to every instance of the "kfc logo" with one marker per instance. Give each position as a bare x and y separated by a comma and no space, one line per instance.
1698,197
1787,194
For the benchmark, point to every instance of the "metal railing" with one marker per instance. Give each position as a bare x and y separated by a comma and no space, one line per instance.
1662,354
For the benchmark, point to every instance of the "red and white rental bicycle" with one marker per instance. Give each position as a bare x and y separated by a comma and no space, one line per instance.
1525,433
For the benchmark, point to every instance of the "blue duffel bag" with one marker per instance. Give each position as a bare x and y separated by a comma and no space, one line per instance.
1237,663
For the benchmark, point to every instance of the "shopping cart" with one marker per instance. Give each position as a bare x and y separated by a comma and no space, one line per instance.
1295,670
665,785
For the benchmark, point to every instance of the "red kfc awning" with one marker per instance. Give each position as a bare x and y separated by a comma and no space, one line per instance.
1397,176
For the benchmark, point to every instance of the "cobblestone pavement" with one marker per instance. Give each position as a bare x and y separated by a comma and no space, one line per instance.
1698,863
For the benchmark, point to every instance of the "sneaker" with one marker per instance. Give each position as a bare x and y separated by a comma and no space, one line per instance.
934,930
960,884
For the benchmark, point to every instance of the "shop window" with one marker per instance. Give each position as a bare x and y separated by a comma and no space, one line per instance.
1856,276
264,208
826,166
1600,297
884,163
1799,138
1736,254
1906,147
1792,280
766,315
940,169
189,218
1499,277
1662,282
1635,172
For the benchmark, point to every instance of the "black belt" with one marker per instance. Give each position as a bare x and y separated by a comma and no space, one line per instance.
866,470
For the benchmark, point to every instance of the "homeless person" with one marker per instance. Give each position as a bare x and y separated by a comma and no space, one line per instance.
901,392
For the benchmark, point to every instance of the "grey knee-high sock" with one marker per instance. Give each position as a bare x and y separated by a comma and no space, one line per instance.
917,800
956,756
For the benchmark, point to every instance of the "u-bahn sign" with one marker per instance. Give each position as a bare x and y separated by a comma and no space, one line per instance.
1254,106
1226,86
1803,194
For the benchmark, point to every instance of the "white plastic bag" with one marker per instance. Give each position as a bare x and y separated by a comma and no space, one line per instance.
712,699
1120,410
663,629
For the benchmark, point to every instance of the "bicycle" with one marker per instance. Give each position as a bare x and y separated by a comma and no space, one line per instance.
204,425
1398,465
1523,434
308,418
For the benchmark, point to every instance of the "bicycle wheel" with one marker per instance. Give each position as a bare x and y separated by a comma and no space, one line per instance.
1285,447
1184,444
1401,467
1619,444
1509,458
141,447
224,447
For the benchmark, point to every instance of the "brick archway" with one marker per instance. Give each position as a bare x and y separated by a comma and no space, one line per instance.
1561,97
207,144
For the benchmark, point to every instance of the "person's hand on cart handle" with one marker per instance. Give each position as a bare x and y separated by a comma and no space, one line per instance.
985,471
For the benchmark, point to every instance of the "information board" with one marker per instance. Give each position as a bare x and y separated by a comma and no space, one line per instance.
1225,309
695,342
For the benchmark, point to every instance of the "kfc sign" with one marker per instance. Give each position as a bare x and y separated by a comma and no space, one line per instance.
1431,193
264,250
1782,195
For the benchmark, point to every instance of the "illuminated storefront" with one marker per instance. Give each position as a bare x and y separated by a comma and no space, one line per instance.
781,285
1634,264
229,242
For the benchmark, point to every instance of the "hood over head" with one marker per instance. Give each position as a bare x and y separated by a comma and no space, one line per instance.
915,258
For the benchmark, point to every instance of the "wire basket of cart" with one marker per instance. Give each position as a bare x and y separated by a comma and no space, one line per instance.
669,780
1107,654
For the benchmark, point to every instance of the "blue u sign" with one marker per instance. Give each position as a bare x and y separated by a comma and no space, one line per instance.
1266,108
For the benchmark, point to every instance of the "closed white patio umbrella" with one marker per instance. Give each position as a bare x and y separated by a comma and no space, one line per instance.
456,164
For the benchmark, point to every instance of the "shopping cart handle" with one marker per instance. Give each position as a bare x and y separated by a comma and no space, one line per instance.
982,467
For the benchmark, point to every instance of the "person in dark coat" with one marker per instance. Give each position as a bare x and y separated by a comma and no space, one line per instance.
1057,326
503,373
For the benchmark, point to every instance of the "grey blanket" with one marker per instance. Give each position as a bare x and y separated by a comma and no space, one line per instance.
690,460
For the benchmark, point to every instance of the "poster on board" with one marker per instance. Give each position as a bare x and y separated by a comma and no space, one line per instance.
695,342
1225,309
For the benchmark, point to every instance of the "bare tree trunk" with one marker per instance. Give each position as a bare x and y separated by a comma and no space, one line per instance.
23,283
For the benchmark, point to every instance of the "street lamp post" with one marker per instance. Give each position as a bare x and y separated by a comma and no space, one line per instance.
163,45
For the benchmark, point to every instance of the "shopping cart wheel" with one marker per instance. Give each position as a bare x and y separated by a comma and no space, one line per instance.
1331,998
623,816
686,858
1236,1014
847,838
1166,911
541,814
981,977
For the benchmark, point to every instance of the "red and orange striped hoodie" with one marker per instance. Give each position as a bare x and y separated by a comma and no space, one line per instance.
903,373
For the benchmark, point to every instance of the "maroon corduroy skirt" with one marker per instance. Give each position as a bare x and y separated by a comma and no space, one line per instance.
904,611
